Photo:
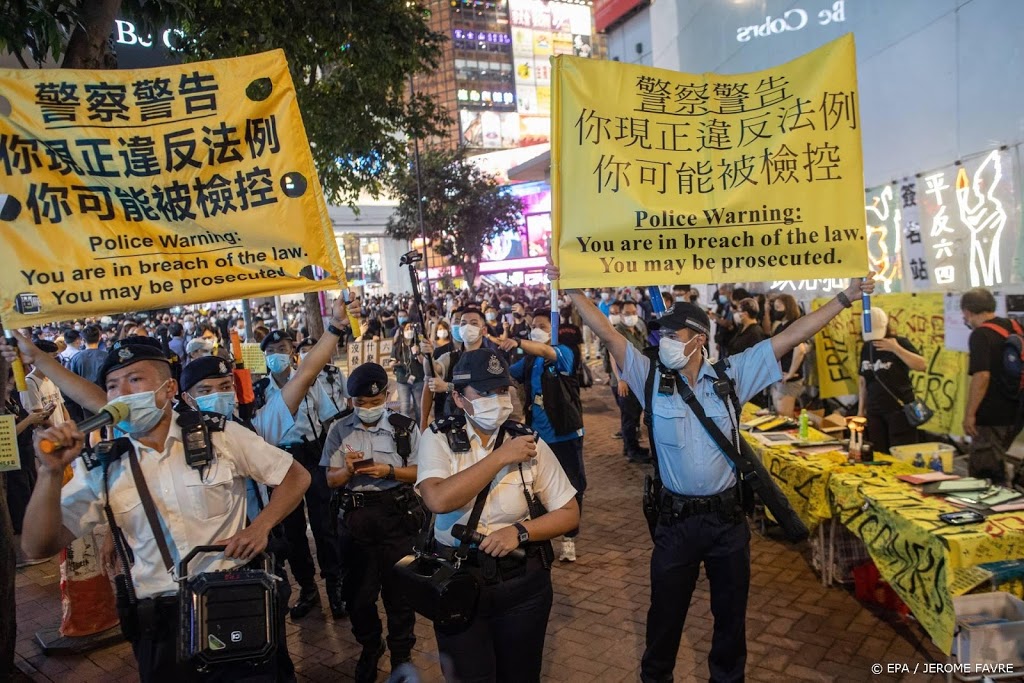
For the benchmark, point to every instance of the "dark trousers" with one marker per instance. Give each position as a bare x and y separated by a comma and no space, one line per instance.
156,654
325,533
506,640
570,457
19,487
630,411
987,457
8,623
883,431
376,538
722,543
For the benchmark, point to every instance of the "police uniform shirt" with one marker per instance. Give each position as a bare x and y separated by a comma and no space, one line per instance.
376,443
273,420
193,511
505,504
690,462
316,406
333,386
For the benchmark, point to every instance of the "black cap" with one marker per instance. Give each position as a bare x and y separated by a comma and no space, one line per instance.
274,337
368,379
307,342
483,369
204,368
46,346
684,314
130,350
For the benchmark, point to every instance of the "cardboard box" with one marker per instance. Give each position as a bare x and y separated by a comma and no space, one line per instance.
834,424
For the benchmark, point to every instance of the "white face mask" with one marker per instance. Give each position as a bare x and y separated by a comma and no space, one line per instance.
630,320
370,415
490,412
409,334
614,318
737,318
673,354
470,333
540,335
143,413
442,334
604,296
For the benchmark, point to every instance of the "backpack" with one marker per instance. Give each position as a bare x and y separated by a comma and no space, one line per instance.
1011,378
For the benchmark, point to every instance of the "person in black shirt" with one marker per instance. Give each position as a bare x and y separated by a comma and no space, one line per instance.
885,387
748,326
991,415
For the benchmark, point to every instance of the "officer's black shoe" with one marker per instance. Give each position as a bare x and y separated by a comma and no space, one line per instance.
308,599
640,457
366,667
334,598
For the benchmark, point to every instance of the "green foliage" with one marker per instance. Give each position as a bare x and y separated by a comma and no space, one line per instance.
351,62
464,208
38,30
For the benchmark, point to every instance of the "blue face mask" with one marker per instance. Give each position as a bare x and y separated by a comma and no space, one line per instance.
278,362
143,413
402,320
456,333
222,402
723,299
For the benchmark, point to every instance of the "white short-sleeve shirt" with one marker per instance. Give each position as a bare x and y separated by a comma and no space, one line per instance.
505,504
193,511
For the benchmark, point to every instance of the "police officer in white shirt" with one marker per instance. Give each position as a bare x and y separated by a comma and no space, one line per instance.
370,457
475,451
195,507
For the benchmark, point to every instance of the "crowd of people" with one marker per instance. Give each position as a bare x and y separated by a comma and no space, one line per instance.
475,419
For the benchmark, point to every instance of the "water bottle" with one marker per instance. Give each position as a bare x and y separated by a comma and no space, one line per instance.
935,463
918,460
804,426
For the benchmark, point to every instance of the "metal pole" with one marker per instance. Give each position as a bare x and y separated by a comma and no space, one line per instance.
278,310
247,317
419,199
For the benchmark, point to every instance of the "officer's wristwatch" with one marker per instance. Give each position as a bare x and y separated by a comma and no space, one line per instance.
524,535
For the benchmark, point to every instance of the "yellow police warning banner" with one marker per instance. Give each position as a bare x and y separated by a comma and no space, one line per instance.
660,176
128,190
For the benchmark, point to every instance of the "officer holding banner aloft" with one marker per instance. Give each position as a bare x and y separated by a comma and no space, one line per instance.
700,515
153,482
370,456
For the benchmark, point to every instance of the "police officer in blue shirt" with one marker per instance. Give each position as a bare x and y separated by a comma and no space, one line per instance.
305,442
705,524
567,447
370,456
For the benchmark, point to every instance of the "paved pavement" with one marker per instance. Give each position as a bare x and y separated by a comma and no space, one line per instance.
797,630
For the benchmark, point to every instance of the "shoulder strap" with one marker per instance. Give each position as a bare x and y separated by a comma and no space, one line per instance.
871,355
117,536
652,356
998,329
150,509
474,519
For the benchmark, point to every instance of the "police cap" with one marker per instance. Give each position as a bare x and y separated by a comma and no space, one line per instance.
483,369
368,379
684,314
274,337
130,350
204,368
306,343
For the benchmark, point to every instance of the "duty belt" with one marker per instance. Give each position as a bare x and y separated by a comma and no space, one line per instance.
675,505
353,500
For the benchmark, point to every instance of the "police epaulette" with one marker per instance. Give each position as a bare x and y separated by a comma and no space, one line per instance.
215,422
447,423
513,428
331,369
345,413
399,421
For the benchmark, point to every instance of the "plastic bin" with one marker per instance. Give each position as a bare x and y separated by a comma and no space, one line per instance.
989,629
928,451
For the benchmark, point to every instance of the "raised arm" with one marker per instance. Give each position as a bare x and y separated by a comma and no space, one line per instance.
809,325
594,319
320,355
78,389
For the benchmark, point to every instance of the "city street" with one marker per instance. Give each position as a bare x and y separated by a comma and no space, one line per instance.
796,628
